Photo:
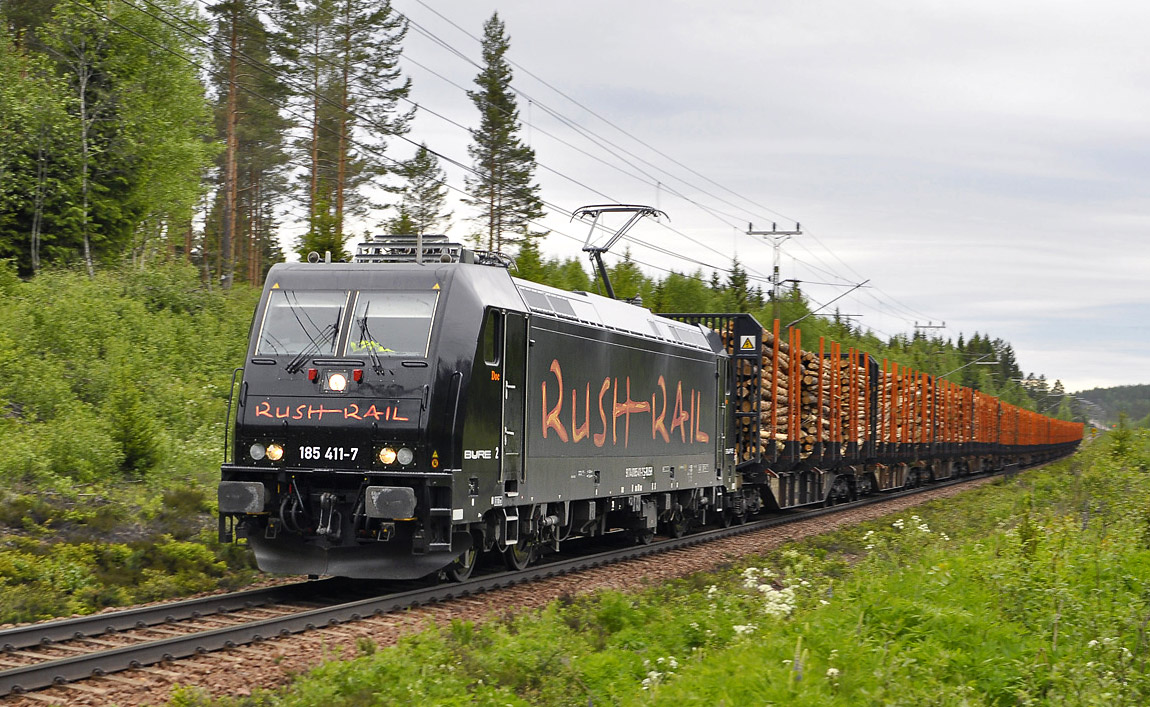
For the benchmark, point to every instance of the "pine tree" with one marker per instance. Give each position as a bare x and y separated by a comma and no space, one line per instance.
737,296
502,187
401,225
424,193
350,50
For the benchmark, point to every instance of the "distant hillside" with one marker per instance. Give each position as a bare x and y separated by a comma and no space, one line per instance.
1134,400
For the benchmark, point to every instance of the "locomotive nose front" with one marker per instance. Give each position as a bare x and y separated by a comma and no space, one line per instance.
331,470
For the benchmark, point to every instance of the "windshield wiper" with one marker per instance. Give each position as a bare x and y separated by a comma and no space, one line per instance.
297,363
366,338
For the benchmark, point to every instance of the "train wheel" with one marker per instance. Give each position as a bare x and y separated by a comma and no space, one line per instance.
730,517
643,536
520,555
461,570
678,525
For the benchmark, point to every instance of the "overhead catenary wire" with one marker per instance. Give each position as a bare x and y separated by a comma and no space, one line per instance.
827,270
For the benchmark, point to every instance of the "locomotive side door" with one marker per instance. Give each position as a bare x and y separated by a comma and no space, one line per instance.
514,402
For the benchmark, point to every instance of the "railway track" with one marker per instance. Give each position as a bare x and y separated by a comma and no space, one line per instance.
37,656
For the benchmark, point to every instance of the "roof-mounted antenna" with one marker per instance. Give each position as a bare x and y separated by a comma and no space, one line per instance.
637,212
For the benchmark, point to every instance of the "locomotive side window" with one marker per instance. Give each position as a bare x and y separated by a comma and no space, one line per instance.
298,320
492,337
392,323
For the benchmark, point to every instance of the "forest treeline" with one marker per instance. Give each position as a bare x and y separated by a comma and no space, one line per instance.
144,129
1131,400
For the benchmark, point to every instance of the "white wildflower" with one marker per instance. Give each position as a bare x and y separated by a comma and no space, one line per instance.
832,673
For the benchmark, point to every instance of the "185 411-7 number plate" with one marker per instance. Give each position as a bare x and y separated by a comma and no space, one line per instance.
331,454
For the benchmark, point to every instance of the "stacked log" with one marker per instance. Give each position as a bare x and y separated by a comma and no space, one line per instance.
754,434
777,397
853,393
816,401
831,395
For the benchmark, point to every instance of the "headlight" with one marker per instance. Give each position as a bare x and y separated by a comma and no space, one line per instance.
404,456
387,455
257,451
275,452
337,382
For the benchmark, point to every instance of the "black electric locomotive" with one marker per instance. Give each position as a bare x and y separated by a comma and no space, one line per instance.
401,413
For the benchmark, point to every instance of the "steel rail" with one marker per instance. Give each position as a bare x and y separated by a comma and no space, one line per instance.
47,633
70,669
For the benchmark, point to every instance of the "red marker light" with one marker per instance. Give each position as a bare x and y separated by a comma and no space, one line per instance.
312,374
357,375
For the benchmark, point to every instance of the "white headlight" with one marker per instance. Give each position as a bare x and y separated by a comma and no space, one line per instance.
337,382
257,451
404,456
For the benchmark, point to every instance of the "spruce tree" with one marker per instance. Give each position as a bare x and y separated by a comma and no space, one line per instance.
502,187
424,192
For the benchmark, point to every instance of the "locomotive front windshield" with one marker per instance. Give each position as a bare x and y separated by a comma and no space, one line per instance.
392,323
298,321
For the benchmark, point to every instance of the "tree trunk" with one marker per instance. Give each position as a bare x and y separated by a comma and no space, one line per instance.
227,233
313,193
83,75
341,169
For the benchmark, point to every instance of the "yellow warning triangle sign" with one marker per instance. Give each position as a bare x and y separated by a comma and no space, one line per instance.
276,286
435,455
748,343
436,286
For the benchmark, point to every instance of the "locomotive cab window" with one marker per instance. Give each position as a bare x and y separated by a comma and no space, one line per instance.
493,337
299,320
392,323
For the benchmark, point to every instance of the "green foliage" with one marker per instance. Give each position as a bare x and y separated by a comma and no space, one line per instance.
113,391
110,146
423,195
1121,439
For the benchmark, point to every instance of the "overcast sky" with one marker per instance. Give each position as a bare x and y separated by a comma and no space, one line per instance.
985,163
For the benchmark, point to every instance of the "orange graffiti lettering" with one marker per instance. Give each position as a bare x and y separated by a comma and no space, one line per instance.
626,409
658,424
580,432
681,416
599,438
551,417
699,434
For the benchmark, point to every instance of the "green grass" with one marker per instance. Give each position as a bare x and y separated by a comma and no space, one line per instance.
1034,590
